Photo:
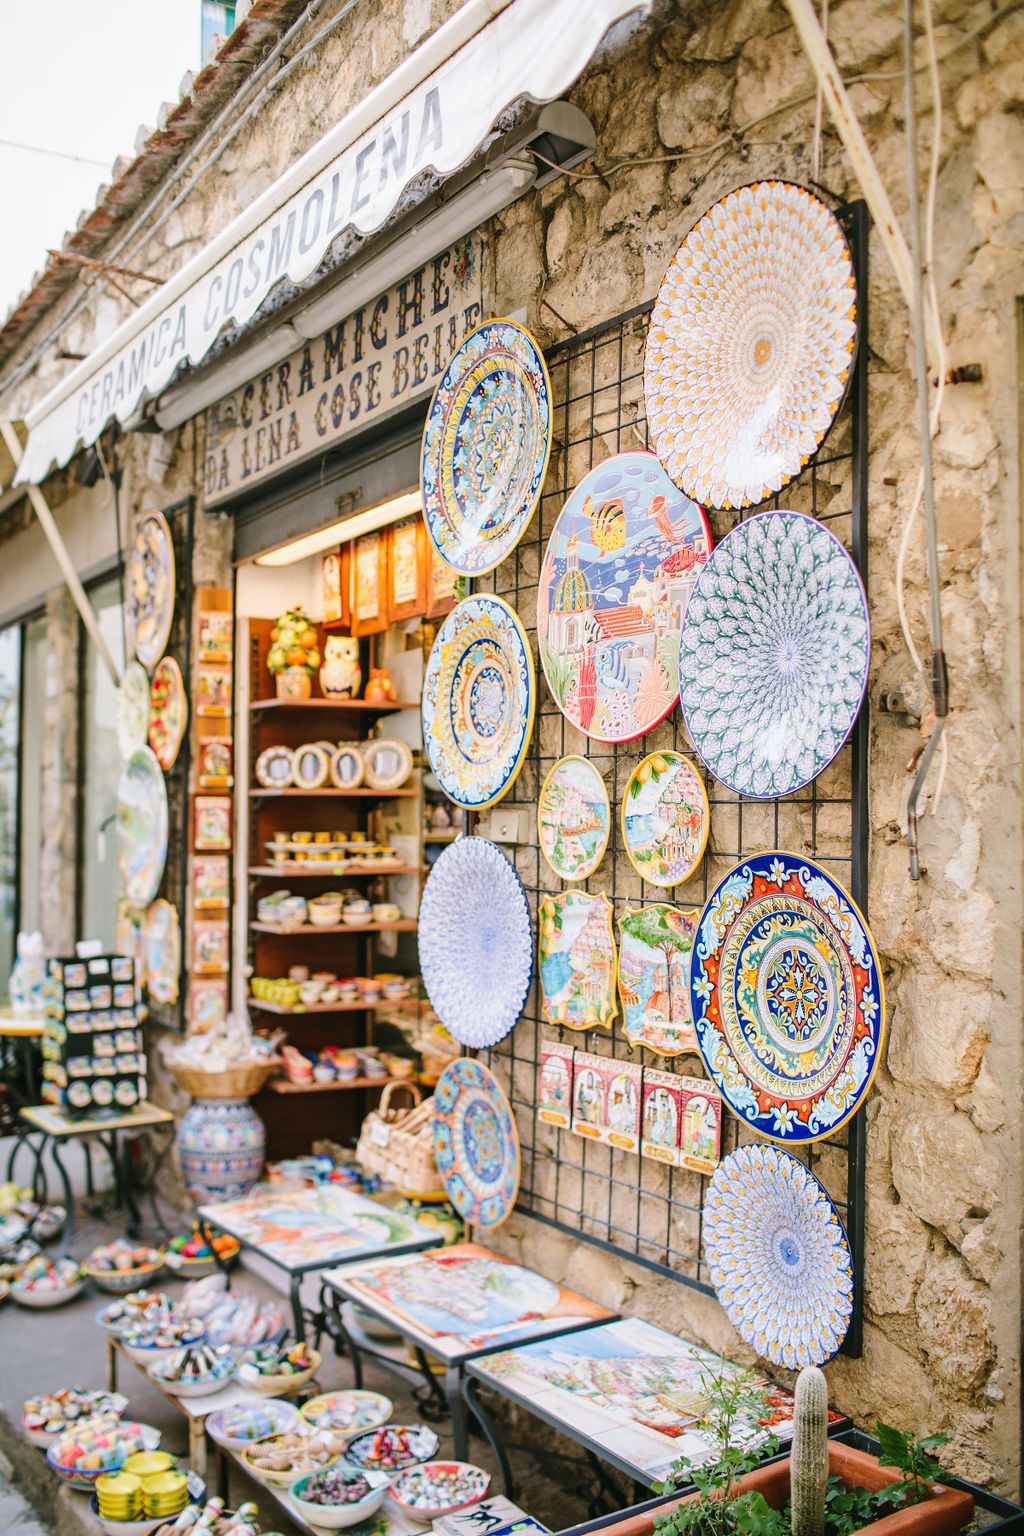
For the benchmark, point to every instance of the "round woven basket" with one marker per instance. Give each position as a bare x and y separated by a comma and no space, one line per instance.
238,1082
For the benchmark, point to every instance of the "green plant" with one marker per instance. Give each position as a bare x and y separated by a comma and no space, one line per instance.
913,1458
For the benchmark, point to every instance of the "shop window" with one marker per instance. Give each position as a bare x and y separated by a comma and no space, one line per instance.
100,769
30,810
10,691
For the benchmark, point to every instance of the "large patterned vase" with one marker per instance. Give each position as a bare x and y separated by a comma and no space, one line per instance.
222,1142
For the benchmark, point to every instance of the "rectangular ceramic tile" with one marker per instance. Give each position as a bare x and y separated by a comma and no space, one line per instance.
309,1228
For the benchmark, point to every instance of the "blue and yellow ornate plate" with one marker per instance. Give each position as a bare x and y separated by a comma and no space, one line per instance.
476,1143
616,579
773,659
479,697
475,942
778,1256
787,997
486,446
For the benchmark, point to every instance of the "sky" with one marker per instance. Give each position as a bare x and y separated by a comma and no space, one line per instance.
80,77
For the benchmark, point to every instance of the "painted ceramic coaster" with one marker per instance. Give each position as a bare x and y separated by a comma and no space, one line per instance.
475,942
486,445
773,661
577,960
141,827
168,712
787,996
163,952
476,1143
149,598
573,818
655,944
133,709
620,564
665,818
778,1256
751,344
479,697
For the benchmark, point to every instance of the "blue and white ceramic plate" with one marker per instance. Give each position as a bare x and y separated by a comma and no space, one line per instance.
479,697
773,658
475,942
486,445
778,1256
476,1143
142,826
787,997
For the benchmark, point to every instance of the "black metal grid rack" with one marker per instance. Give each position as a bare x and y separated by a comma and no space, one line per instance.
639,1209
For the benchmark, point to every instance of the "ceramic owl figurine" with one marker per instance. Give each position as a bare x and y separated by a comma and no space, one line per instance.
341,673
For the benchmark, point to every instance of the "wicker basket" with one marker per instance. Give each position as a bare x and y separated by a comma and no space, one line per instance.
237,1082
398,1144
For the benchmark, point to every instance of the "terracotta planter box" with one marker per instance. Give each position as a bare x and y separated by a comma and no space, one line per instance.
945,1512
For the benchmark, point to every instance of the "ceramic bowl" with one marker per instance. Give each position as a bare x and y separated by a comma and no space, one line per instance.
104,1402
191,1386
245,1423
119,1282
283,1477
356,917
76,1477
336,1517
348,1412
422,1444
146,1354
195,1269
281,1384
44,1299
473,1484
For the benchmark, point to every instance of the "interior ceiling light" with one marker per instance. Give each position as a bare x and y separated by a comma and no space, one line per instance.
352,527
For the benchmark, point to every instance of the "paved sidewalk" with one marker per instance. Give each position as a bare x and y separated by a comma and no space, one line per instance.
16,1517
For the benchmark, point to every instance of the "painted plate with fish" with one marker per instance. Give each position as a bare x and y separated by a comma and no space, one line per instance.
622,559
168,712
486,446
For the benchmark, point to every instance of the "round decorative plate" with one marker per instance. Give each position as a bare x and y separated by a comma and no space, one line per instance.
133,709
163,952
778,1256
486,445
475,942
141,827
168,712
773,661
311,765
479,697
274,767
665,818
387,763
573,818
620,564
751,344
347,768
150,594
476,1143
787,997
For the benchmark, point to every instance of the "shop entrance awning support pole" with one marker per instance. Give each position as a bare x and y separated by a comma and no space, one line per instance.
60,553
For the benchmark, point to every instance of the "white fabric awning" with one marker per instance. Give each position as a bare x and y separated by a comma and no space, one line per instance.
430,114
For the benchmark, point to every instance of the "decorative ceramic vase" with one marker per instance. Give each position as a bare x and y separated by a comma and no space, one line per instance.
222,1143
294,684
379,689
341,673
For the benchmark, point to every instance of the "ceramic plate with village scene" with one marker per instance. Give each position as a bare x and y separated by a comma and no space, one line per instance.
476,1143
622,559
486,445
655,944
577,960
573,818
665,818
479,697
142,826
787,997
163,952
150,589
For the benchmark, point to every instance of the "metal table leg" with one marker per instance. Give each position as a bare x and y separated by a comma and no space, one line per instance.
69,1199
471,1392
457,1410
298,1316
111,1365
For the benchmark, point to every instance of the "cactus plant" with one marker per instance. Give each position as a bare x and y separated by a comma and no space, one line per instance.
808,1473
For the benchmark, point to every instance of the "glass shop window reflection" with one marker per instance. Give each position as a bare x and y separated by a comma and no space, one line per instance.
101,767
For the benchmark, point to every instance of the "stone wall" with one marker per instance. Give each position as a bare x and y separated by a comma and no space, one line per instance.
681,99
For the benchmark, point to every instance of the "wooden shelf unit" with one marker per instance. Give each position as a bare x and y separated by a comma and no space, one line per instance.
296,1010
285,1085
257,792
342,706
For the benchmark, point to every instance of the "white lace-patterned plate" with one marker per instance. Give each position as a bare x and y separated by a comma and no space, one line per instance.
778,1256
751,344
773,658
475,942
133,709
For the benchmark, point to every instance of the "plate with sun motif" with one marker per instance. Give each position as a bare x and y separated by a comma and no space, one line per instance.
476,1143
618,571
773,661
163,952
665,818
751,344
133,709
141,827
778,1256
475,942
150,589
787,997
479,697
573,818
486,446
168,712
